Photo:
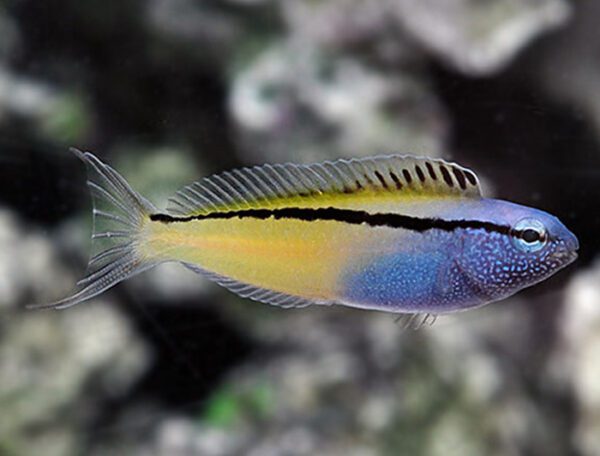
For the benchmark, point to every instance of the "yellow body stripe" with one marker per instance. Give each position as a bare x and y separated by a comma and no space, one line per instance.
289,256
367,199
301,258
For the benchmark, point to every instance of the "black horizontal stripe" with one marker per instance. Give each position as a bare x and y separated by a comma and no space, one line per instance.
354,217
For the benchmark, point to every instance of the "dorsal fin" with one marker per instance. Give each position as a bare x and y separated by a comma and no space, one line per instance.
274,185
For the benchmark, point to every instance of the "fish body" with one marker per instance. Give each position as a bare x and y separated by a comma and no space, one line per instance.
396,233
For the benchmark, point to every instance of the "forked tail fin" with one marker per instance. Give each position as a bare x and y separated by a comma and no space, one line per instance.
119,216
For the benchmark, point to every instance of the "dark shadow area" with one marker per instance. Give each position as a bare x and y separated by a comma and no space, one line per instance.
193,350
137,95
43,186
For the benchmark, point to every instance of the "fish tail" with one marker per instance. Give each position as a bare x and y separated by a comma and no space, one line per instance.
119,217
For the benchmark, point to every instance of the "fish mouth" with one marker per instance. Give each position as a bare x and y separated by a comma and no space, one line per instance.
565,256
567,250
572,243
572,256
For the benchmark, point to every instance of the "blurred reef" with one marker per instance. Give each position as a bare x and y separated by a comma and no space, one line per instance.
168,91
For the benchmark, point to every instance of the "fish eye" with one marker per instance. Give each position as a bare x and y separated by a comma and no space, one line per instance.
529,235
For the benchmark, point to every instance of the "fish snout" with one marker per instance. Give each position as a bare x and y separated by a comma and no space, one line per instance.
572,243
567,250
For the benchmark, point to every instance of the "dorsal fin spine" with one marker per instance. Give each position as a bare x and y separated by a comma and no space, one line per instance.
206,189
276,173
199,198
356,177
189,202
272,185
213,188
328,177
322,184
305,177
239,187
335,175
294,182
196,189
180,208
306,191
253,189
355,181
269,181
221,183
347,182
263,186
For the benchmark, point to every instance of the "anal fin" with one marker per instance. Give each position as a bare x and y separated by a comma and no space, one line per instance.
255,293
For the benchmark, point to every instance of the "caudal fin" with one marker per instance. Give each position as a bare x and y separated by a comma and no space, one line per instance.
119,216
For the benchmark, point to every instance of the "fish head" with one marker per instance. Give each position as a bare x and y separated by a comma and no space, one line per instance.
516,248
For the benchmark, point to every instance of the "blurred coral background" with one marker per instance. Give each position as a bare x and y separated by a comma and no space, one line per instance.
168,91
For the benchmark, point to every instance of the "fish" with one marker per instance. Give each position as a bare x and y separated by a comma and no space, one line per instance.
397,233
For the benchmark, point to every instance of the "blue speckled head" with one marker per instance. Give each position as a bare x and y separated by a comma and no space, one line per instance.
466,253
498,265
